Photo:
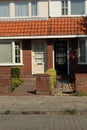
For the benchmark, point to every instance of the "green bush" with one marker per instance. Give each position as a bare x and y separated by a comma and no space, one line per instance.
53,75
16,82
15,72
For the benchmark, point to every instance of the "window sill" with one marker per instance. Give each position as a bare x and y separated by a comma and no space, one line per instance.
11,64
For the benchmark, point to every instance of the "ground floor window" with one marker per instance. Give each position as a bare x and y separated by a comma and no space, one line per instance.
82,51
10,52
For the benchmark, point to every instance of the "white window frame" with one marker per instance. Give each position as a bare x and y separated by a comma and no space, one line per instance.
85,42
69,10
13,54
65,8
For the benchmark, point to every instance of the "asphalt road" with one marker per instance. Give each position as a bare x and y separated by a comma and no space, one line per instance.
43,122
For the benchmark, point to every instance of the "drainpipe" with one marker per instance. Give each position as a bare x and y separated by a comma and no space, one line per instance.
49,8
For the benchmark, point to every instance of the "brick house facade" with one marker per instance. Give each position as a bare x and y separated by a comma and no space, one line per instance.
36,40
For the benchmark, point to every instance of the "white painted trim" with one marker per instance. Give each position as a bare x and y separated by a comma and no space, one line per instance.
49,8
13,52
40,37
9,64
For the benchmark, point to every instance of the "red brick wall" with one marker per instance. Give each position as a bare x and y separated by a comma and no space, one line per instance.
43,84
49,53
4,70
5,84
81,83
27,68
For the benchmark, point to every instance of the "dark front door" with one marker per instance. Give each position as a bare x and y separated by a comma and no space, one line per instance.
60,48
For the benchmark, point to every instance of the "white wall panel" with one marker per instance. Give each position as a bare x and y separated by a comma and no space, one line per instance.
55,8
43,8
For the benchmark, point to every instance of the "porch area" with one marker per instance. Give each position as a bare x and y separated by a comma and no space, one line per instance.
28,88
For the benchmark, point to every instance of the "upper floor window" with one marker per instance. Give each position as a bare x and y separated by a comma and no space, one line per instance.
82,51
77,7
64,7
4,9
34,8
21,8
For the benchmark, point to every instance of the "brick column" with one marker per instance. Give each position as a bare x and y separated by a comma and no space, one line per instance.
43,84
49,53
5,84
81,83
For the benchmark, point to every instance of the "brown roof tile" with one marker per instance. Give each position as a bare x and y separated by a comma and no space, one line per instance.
52,26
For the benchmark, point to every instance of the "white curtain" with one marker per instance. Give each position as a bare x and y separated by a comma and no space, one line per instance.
21,8
4,9
34,8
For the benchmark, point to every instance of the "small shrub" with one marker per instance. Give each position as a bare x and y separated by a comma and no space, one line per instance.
16,82
52,74
15,72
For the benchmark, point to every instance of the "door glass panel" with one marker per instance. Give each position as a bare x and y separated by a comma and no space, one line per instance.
61,57
39,53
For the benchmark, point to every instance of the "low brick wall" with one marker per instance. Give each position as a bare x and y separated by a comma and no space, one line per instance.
81,83
5,84
43,84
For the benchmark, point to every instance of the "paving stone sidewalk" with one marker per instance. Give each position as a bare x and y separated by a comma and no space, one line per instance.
36,104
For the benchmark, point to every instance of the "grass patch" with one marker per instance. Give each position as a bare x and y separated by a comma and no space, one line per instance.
79,94
7,112
15,83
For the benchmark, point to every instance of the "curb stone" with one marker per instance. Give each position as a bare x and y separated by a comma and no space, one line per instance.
64,111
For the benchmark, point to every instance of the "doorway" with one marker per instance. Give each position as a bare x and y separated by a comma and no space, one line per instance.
60,56
38,56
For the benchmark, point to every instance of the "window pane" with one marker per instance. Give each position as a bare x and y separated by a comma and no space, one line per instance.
4,9
21,8
62,3
82,58
5,53
17,52
34,8
77,7
39,53
64,7
66,3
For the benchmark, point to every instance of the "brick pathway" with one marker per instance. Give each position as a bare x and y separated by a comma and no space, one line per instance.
43,122
28,87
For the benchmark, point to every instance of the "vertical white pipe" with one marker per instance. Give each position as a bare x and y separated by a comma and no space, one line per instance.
48,8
